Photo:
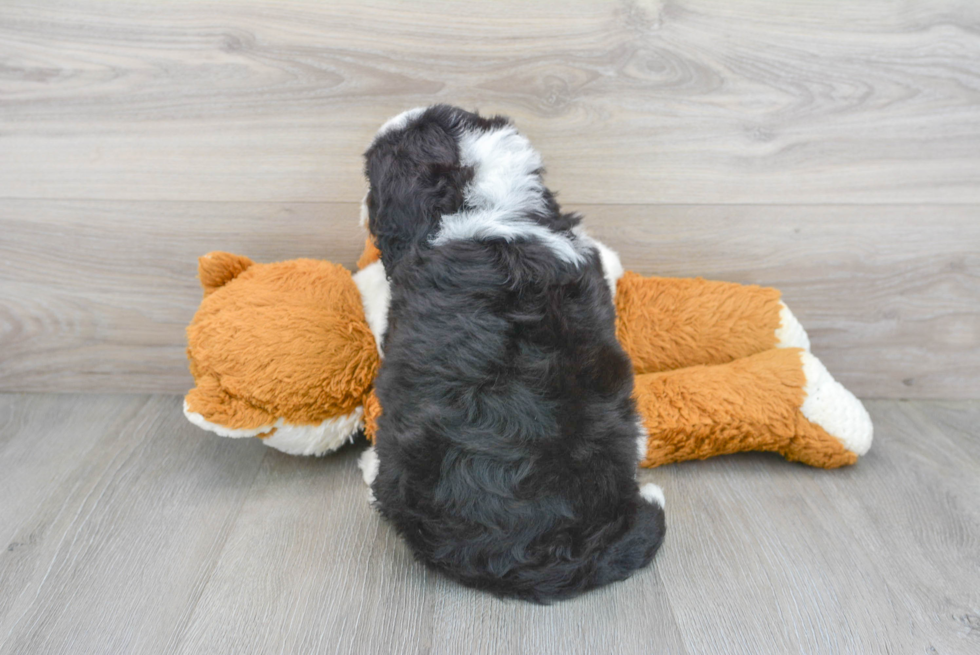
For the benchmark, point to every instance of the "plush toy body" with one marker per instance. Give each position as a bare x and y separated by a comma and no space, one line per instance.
287,352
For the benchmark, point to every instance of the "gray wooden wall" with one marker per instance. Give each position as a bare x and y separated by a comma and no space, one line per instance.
830,148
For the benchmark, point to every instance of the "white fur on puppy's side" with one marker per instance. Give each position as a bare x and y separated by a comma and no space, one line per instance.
376,297
834,408
365,215
612,267
368,462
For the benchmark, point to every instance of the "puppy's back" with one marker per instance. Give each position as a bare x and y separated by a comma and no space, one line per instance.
508,440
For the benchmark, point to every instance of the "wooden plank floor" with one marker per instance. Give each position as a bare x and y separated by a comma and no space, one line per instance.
124,529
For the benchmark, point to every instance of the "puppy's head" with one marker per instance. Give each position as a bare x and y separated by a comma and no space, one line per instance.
416,176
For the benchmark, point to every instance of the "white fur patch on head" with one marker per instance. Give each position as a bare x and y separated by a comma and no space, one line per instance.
399,121
505,171
506,186
653,494
834,408
375,291
790,334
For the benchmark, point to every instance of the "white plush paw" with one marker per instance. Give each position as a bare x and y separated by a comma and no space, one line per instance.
790,334
834,408
376,297
652,494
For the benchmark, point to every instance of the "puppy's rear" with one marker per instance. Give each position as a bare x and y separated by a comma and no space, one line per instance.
508,438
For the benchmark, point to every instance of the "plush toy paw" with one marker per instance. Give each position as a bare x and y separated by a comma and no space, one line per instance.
833,408
780,400
790,334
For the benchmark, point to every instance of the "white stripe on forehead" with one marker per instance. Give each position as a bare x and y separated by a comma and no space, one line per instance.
505,188
505,170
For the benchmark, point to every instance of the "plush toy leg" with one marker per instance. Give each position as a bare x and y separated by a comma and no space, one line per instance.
780,400
670,323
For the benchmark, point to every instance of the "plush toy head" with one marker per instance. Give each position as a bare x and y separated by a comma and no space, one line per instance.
282,351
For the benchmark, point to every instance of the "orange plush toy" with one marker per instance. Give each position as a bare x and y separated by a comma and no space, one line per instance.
287,352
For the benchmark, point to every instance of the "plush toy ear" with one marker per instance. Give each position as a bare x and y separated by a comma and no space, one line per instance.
217,269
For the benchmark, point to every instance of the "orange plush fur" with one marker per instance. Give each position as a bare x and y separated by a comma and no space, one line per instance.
752,403
711,378
720,367
278,344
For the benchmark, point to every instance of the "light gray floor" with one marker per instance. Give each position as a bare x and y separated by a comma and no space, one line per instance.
125,529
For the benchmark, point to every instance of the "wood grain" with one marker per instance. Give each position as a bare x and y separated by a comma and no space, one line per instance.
345,583
95,295
890,295
861,559
111,553
687,101
126,529
828,148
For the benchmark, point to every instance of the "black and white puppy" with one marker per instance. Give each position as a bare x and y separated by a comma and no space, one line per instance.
506,451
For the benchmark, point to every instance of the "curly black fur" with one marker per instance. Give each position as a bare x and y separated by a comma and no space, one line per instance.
508,438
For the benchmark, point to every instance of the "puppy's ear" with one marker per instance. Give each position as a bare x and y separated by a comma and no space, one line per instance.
416,177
